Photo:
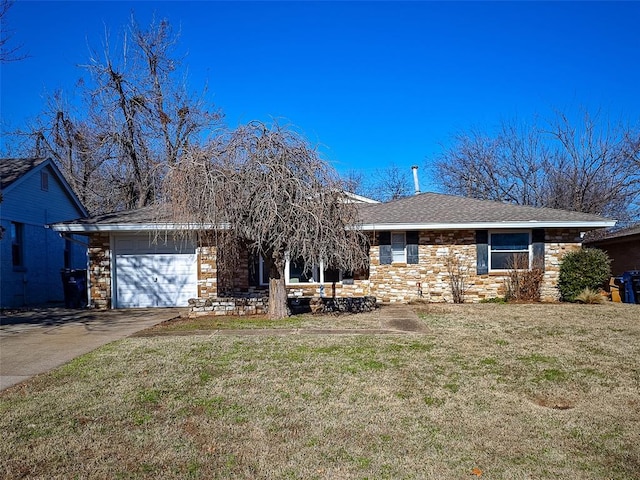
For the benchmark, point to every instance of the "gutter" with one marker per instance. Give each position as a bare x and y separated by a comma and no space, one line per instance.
486,225
129,227
147,227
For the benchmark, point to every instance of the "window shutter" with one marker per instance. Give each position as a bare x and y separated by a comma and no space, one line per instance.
482,252
384,239
537,241
412,247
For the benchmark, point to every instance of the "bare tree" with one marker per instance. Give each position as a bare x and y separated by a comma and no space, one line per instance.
384,184
458,271
137,118
264,189
593,169
391,183
8,52
589,168
355,182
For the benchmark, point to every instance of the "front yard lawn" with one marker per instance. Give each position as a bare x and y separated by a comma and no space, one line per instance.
496,391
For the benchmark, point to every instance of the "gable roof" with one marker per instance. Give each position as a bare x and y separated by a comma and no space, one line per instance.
433,211
440,211
14,170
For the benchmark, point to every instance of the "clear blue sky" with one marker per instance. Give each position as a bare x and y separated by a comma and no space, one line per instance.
372,82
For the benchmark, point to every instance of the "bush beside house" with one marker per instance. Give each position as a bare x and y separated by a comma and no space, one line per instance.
588,268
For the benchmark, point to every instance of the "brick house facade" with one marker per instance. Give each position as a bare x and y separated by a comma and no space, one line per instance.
412,244
390,283
623,248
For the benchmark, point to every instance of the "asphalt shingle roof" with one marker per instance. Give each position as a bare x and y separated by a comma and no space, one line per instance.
11,169
437,208
139,216
421,210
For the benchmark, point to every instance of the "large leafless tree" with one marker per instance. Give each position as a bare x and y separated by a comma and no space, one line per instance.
265,189
9,50
589,167
134,118
383,184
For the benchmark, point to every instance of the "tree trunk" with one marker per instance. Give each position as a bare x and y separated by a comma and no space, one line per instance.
278,307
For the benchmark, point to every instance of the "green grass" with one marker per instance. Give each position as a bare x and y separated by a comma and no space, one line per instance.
485,388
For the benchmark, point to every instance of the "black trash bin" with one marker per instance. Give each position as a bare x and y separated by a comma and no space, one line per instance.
74,283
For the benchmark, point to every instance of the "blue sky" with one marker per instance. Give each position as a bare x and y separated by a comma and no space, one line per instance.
371,82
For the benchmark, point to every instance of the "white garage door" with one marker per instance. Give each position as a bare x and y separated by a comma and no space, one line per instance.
148,275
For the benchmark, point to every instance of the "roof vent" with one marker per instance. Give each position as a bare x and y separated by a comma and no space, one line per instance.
415,179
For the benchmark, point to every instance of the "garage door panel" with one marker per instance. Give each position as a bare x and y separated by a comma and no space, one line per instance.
180,264
150,275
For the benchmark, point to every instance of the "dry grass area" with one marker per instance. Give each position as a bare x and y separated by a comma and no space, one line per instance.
213,322
497,391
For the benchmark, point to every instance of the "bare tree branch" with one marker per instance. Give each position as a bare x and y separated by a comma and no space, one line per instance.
137,118
263,188
8,53
591,167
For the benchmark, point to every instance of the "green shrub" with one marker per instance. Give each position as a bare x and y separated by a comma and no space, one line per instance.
586,268
494,300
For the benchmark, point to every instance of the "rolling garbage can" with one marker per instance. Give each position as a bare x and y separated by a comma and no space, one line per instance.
631,280
74,283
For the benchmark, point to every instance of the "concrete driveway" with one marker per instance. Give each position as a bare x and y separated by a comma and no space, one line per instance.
37,341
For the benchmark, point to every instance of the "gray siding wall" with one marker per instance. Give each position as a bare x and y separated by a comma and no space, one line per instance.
39,281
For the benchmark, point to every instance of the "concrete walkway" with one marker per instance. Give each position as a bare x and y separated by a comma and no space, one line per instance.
402,318
37,341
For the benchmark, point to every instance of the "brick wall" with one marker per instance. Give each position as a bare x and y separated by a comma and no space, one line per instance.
624,254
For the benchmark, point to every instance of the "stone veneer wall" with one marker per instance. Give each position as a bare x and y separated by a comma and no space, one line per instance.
258,305
429,279
395,283
207,272
228,306
100,270
557,243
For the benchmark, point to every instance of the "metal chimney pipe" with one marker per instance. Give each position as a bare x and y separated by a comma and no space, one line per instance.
415,179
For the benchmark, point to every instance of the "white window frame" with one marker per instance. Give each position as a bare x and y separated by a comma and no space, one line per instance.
396,255
317,274
529,249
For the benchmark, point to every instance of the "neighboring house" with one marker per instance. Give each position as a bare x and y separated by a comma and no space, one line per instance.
34,194
623,248
135,261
